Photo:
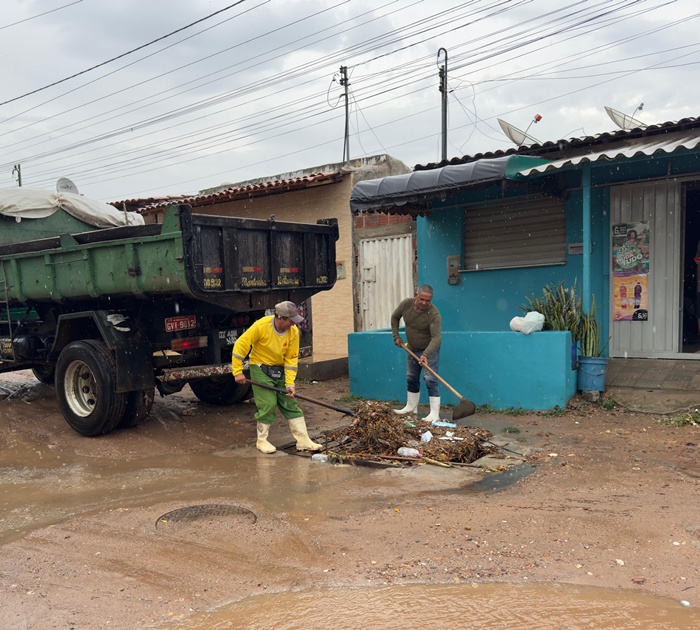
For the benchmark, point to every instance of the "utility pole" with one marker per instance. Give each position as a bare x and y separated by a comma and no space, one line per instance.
443,90
346,144
18,169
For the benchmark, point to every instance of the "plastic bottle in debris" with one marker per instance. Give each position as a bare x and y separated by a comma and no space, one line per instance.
426,437
406,451
319,457
442,423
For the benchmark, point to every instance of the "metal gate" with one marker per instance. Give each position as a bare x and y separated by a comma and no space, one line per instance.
386,278
660,205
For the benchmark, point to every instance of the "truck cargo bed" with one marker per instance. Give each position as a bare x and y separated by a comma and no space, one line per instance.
238,264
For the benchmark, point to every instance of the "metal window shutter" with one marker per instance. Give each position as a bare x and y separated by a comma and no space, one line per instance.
518,234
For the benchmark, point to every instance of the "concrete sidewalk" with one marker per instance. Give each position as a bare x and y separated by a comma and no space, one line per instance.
654,385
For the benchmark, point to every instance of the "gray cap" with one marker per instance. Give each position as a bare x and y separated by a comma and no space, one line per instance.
290,310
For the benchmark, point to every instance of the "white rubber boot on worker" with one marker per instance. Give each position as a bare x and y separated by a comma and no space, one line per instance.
304,443
262,444
411,405
434,409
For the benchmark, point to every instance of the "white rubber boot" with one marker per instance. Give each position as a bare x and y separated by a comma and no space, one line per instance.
262,444
411,405
434,409
304,443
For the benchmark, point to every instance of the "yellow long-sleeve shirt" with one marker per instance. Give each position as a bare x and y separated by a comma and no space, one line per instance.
268,348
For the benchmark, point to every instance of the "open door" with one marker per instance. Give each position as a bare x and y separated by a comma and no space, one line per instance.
690,312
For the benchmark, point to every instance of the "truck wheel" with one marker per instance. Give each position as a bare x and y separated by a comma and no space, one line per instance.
86,388
45,374
138,406
219,390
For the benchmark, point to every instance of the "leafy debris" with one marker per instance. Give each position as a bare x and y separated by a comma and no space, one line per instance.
377,433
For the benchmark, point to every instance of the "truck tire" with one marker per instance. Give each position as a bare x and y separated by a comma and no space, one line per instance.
86,388
45,374
219,390
138,406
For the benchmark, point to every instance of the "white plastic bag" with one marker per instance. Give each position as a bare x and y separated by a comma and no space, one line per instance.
532,322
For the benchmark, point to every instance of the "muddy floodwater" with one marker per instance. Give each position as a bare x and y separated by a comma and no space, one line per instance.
182,523
492,606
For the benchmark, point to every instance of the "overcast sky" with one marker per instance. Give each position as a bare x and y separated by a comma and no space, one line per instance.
164,97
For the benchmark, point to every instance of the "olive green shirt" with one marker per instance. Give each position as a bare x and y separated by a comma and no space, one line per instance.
423,330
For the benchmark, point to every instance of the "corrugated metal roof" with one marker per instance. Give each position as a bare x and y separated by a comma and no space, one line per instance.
233,193
666,143
559,149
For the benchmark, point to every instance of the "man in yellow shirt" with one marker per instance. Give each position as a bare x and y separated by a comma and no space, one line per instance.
273,343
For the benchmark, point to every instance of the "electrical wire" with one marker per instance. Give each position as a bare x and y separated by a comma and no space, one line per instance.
128,52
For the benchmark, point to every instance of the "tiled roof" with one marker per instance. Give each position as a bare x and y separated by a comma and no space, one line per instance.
258,188
562,148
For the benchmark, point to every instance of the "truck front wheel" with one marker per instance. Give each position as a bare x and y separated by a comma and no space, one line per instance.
219,390
86,388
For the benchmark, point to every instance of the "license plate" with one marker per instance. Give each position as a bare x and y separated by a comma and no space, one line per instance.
173,324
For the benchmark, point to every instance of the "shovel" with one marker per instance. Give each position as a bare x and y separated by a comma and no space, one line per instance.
347,412
465,407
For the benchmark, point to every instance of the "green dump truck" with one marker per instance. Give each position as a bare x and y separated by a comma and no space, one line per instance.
109,315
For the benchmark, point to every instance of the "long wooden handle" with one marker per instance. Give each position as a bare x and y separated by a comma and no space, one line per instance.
348,412
434,373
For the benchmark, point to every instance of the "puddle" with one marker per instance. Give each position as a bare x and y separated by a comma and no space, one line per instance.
417,607
45,486
503,480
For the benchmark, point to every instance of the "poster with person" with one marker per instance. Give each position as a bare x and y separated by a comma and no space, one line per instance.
630,268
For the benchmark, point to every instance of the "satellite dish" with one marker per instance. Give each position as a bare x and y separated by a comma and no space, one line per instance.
518,136
65,185
623,121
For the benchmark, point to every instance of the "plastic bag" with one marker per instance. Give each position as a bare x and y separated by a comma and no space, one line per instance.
532,322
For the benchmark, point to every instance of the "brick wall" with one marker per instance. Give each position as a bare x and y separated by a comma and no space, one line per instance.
379,219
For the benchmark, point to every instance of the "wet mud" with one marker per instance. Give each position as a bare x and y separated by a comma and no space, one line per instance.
110,532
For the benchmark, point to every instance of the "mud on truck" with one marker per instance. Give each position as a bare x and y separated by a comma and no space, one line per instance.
109,310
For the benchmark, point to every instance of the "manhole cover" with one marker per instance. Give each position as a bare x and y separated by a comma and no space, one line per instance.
208,513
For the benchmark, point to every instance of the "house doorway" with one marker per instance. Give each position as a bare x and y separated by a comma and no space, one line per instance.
386,268
691,283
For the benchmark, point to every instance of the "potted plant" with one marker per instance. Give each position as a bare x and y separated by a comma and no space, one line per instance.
561,308
591,364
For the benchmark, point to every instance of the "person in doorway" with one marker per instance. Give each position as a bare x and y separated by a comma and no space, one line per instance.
697,285
424,335
273,343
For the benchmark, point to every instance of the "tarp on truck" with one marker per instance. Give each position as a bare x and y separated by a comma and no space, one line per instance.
28,203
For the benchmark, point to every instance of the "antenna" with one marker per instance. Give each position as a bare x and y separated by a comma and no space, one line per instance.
518,136
623,121
65,185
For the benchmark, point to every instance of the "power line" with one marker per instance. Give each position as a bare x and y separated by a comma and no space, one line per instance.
129,52
34,17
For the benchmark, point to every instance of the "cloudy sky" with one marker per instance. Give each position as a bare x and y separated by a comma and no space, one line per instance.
162,97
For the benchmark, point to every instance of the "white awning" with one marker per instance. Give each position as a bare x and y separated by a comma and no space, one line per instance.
660,143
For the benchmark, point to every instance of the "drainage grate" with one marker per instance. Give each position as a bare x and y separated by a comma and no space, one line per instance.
200,512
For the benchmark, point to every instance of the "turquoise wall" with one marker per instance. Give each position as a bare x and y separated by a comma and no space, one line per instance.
501,369
488,300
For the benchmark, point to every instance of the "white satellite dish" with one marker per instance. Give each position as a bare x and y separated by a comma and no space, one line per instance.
518,136
65,185
623,121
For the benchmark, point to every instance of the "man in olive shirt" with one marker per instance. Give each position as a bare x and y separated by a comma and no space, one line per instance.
424,335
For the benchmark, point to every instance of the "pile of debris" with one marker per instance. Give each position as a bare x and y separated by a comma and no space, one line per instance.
377,433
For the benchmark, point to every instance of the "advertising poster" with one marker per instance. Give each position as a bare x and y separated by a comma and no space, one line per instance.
630,267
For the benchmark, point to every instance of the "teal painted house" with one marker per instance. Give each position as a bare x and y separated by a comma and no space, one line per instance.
618,214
